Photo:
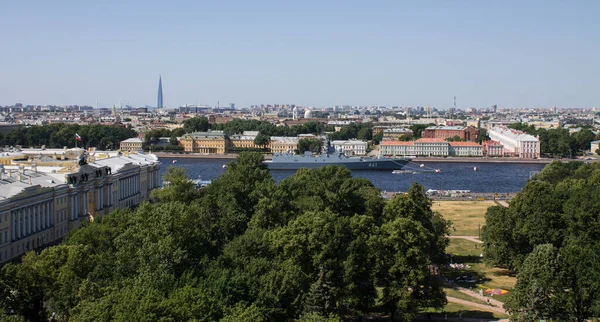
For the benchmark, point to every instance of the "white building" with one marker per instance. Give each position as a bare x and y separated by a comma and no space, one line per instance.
351,147
39,204
516,143
430,147
465,149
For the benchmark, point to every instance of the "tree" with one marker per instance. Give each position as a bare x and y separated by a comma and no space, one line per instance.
196,124
178,187
312,145
405,137
365,134
262,140
535,297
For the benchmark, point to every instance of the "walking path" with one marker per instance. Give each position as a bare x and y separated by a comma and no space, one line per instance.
502,202
495,303
482,307
474,239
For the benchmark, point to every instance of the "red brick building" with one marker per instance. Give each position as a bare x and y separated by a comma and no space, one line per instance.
468,133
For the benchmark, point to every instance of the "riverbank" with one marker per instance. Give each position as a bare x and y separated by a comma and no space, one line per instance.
426,159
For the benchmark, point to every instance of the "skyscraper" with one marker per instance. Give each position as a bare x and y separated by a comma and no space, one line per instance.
159,104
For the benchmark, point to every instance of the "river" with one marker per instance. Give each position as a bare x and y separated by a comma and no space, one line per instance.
489,177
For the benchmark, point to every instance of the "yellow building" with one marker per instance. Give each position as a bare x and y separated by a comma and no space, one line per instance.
245,141
40,204
283,144
205,142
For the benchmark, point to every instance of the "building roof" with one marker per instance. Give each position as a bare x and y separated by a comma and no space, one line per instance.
514,134
398,143
430,140
133,140
447,128
206,135
473,144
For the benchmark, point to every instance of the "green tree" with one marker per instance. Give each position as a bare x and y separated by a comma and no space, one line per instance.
262,140
178,187
196,124
312,145
405,137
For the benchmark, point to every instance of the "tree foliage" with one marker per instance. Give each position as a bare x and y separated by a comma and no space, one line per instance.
549,235
314,247
104,137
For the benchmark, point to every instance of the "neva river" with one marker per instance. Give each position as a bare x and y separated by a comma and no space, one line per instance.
489,177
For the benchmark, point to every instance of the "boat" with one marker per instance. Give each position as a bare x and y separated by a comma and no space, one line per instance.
474,168
290,161
437,171
403,172
174,161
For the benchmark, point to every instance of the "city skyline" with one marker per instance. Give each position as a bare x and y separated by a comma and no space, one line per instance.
513,54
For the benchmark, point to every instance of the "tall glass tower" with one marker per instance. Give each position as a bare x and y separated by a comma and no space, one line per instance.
159,104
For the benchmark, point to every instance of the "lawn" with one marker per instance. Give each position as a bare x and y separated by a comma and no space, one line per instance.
466,216
452,309
464,252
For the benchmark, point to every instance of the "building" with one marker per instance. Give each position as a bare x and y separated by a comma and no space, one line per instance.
350,147
594,145
244,141
465,149
468,133
133,144
394,133
397,148
159,103
40,204
516,143
493,148
283,144
430,147
205,142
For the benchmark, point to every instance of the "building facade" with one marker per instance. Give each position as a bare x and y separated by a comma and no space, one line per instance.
493,148
350,147
430,147
394,133
41,204
244,141
465,149
205,142
133,144
283,144
516,143
468,133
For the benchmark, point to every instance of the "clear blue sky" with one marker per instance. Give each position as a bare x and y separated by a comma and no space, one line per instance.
320,53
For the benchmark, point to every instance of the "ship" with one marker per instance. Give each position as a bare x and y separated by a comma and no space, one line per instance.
290,161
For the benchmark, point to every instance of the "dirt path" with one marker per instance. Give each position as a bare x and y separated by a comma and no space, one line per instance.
474,239
495,303
482,307
502,202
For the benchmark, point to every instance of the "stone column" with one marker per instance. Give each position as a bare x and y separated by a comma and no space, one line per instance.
14,225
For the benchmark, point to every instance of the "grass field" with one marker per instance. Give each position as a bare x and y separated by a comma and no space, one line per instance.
466,216
452,309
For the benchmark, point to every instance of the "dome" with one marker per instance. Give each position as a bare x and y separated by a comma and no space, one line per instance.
308,114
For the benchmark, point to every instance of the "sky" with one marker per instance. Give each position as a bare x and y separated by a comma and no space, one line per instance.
515,54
